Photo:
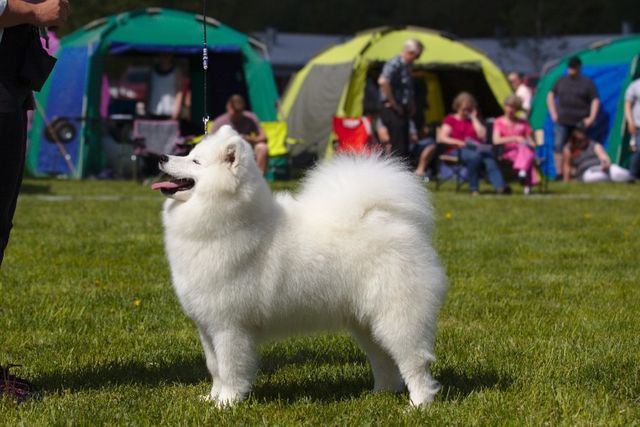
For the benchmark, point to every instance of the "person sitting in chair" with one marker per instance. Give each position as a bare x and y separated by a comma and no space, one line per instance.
463,132
247,125
515,136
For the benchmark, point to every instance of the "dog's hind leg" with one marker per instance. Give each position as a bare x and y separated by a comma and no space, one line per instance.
406,343
212,364
385,371
237,364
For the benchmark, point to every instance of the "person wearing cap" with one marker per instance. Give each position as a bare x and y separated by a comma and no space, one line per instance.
514,134
397,96
632,117
18,19
247,125
572,99
588,161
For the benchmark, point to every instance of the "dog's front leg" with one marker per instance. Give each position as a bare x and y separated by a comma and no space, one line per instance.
212,363
237,363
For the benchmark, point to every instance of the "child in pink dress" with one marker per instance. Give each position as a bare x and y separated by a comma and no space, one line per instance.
515,135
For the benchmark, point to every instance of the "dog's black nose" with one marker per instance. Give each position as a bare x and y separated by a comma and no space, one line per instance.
164,158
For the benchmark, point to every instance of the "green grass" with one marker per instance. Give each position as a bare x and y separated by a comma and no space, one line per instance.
540,324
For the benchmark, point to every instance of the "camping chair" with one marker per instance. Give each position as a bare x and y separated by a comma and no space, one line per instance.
154,138
448,166
353,134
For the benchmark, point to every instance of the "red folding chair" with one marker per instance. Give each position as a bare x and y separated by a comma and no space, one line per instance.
353,134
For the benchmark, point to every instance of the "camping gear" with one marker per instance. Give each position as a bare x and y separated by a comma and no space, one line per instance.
236,64
353,135
342,82
612,65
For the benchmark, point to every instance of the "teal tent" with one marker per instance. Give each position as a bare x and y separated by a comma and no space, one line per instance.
237,64
612,65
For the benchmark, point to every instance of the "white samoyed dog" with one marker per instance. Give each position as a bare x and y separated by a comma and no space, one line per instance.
351,250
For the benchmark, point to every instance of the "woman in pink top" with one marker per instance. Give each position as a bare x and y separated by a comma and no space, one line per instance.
462,133
515,135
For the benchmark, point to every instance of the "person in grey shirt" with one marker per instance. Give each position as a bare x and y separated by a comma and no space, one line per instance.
572,99
397,96
17,21
632,117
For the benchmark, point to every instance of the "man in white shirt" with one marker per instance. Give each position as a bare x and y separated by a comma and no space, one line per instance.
632,116
521,90
17,33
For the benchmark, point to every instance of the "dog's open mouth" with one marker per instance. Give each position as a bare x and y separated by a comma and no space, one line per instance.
173,186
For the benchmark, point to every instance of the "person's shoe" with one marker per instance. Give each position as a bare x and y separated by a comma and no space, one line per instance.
475,193
522,177
527,190
505,190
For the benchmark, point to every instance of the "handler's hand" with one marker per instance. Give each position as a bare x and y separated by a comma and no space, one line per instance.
51,13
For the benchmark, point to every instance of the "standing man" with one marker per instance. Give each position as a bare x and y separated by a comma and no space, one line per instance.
397,96
521,90
18,19
632,116
577,101
248,126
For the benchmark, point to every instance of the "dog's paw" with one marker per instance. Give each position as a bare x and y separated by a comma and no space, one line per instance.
227,398
206,398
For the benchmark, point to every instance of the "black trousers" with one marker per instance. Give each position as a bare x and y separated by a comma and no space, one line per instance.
398,127
13,147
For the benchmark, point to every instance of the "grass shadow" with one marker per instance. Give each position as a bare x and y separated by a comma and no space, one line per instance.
458,385
33,188
189,371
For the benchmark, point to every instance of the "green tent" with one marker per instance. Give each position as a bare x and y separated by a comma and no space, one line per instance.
341,82
73,91
612,65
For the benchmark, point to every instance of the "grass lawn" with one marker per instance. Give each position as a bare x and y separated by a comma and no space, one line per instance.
541,323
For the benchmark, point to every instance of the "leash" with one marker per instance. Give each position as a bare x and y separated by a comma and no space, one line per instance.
205,66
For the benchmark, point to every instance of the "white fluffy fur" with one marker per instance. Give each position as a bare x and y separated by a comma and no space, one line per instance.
352,250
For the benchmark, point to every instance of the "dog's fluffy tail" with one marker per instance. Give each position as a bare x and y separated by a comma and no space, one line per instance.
348,187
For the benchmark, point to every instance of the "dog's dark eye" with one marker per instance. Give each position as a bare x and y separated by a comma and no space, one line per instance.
196,162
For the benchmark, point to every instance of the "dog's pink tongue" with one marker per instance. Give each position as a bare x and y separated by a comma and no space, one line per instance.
164,184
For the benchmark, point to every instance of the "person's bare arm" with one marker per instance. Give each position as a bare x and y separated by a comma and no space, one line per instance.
551,105
498,139
593,112
631,125
385,87
445,137
481,131
605,161
48,13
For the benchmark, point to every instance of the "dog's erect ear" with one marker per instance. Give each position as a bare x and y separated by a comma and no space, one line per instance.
232,156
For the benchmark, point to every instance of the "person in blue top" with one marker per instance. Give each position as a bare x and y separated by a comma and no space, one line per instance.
397,96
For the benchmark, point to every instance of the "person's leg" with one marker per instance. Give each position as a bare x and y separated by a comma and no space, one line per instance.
12,156
425,157
560,136
634,166
261,151
493,172
398,128
524,158
619,174
472,161
595,174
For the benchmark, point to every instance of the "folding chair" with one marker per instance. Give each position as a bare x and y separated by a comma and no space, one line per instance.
448,166
353,134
